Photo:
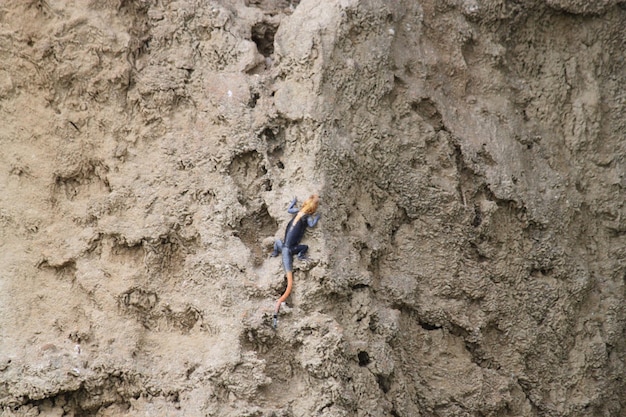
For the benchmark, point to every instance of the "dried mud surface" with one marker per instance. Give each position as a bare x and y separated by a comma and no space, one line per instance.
470,156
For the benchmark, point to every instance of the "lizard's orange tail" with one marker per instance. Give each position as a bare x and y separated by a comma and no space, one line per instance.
283,298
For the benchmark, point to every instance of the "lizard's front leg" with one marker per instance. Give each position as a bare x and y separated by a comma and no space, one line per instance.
312,221
292,209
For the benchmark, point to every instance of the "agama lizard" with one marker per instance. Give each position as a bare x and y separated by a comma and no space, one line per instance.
291,246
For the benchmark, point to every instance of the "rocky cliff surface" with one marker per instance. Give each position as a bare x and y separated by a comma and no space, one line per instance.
470,156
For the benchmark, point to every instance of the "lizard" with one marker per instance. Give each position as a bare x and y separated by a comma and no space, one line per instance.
291,246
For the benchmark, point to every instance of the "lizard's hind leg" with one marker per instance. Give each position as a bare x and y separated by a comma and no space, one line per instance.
278,248
301,251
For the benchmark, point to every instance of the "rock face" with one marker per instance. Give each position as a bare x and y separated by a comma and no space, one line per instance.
470,156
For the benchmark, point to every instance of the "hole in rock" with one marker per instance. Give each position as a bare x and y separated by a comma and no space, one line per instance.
364,358
428,326
268,134
253,100
263,35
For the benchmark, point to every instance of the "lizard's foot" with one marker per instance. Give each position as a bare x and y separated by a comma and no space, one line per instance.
274,254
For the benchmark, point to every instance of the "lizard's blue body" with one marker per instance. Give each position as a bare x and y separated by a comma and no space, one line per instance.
291,245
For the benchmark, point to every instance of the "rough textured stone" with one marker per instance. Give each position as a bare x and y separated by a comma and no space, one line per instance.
470,259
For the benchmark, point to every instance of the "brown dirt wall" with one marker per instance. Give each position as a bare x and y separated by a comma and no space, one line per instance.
471,255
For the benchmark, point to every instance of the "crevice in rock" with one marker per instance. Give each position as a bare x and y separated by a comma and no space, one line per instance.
359,286
248,171
401,217
138,300
263,35
429,327
428,110
384,383
65,271
273,7
274,138
254,98
527,387
139,29
94,395
253,228
75,181
165,255
478,216
373,265
147,307
480,357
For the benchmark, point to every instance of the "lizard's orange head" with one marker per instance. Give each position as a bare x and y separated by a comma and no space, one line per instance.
311,204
